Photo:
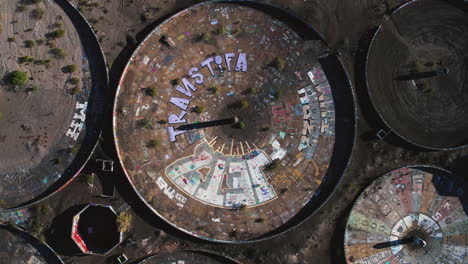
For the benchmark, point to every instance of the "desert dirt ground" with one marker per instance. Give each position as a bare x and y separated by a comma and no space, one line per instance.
35,117
346,25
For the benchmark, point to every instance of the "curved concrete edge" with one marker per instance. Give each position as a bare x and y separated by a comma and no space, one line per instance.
36,241
212,254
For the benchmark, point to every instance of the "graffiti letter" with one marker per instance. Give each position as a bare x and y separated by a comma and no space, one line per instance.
208,62
179,102
177,119
173,133
229,57
198,76
241,62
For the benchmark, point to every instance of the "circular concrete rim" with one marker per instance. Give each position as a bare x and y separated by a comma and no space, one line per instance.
199,252
339,177
99,86
371,97
18,230
420,167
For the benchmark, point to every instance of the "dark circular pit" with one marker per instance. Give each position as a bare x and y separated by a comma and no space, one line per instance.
417,74
95,229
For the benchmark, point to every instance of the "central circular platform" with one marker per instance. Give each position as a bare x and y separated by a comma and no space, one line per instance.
225,121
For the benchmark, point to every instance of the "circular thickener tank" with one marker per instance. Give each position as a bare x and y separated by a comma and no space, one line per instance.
233,125
51,100
417,74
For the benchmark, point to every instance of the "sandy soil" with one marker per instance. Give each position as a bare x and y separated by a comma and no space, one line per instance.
320,239
35,117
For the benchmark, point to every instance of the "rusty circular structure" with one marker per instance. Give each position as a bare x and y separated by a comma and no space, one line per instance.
188,256
417,74
17,246
49,126
227,119
410,215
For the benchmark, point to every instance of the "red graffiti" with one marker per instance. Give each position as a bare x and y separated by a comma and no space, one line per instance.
282,113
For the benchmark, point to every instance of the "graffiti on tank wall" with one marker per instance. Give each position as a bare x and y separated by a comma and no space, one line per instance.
170,192
78,121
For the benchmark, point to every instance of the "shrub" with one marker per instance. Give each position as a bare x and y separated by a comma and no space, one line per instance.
241,125
74,149
163,121
252,91
144,123
11,39
220,30
55,34
259,220
17,78
233,234
37,13
278,94
215,89
21,8
244,104
57,24
90,179
74,80
201,37
198,109
86,3
40,41
151,91
36,227
75,90
58,161
25,59
69,68
29,44
275,164
33,88
124,221
42,62
58,53
176,81
154,143
279,64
